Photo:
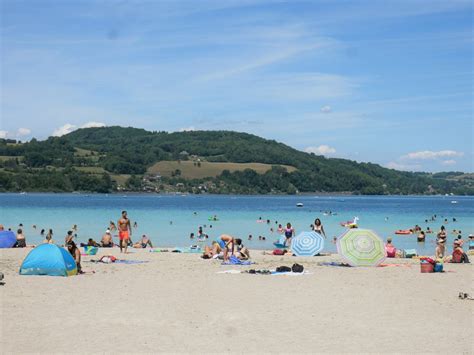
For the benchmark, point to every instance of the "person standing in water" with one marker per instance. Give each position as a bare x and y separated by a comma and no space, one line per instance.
289,233
125,231
318,227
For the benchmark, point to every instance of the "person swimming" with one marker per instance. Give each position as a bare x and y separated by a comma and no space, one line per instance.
421,237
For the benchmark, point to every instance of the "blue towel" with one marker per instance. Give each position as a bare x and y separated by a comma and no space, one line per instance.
233,260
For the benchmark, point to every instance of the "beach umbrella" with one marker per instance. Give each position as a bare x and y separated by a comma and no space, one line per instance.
307,244
361,247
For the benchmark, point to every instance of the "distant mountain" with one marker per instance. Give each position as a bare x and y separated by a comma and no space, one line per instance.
108,158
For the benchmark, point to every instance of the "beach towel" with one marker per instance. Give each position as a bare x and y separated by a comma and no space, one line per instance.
233,260
120,261
333,263
289,273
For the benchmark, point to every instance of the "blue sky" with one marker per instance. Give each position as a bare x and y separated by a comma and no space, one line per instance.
383,81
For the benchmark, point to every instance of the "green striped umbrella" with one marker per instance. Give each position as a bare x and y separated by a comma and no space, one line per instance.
361,247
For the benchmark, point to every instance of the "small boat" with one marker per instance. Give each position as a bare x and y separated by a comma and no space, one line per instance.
454,202
299,204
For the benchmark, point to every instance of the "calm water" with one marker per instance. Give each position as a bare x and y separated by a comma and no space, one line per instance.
169,220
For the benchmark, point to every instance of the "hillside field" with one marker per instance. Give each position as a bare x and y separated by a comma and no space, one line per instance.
207,169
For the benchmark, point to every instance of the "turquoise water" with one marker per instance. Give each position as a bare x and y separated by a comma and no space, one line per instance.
169,219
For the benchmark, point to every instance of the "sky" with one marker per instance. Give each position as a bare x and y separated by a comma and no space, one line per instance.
388,82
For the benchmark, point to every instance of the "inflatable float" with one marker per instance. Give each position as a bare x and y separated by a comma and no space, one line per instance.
350,224
403,231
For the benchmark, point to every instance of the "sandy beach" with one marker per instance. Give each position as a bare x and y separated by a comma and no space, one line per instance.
179,303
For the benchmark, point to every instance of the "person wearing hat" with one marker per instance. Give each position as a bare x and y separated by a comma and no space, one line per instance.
106,241
440,248
459,256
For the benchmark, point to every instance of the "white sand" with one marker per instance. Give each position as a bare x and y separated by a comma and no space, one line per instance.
179,303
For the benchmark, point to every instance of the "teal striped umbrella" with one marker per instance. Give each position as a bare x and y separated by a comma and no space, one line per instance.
361,247
307,244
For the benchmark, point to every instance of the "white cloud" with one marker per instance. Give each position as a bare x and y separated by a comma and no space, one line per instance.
3,134
93,124
431,155
405,167
326,109
321,150
68,128
448,162
23,132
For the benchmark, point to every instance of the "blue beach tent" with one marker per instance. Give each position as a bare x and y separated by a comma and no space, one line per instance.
7,239
48,259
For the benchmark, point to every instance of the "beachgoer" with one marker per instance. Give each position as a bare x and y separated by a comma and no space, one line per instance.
74,228
213,251
76,254
459,256
143,243
334,240
250,236
428,230
390,248
440,249
191,236
42,232
49,238
280,229
125,231
421,237
107,241
135,225
112,226
69,238
471,241
318,227
228,244
20,239
289,233
243,252
442,234
2,228
92,243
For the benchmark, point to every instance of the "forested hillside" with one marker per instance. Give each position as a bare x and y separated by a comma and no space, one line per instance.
110,158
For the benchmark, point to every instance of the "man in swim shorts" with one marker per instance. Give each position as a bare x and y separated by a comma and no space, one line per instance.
125,231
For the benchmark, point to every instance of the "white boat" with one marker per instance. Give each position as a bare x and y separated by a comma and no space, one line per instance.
454,201
299,204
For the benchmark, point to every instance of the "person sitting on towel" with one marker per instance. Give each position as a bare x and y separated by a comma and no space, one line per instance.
143,242
106,241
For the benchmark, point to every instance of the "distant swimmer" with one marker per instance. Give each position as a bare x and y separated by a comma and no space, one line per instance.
125,231
135,225
112,226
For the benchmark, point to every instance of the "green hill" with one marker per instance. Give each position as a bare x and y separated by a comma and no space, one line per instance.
109,158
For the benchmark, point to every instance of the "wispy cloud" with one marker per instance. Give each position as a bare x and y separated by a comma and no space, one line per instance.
431,155
404,167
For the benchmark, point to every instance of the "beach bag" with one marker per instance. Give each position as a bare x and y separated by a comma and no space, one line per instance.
283,269
278,252
297,268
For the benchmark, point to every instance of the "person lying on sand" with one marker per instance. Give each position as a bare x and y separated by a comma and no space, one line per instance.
212,251
143,242
243,253
90,243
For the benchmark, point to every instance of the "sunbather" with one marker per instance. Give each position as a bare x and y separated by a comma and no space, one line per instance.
143,242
